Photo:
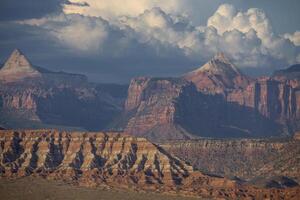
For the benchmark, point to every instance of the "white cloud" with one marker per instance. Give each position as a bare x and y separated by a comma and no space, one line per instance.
251,24
247,37
82,33
295,38
114,8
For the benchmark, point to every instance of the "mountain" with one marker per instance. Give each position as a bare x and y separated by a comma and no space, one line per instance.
216,100
172,108
217,76
114,160
277,98
33,97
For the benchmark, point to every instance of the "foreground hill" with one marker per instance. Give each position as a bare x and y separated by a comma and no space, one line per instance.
33,97
114,160
248,159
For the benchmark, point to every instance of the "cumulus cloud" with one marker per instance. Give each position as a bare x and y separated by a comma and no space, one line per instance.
295,38
139,26
250,34
75,31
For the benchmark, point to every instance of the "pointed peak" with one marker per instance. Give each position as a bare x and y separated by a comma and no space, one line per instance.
221,57
17,59
17,66
17,52
220,64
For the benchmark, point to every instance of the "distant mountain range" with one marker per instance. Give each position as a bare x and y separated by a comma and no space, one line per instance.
215,100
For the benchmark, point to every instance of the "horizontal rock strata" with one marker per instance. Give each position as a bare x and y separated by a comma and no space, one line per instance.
114,160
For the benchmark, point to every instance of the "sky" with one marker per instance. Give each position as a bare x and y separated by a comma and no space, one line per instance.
116,40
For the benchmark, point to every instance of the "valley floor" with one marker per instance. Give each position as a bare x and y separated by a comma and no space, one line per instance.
31,188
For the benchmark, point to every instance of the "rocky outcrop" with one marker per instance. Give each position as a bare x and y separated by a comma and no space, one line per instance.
114,160
218,76
17,67
245,158
151,107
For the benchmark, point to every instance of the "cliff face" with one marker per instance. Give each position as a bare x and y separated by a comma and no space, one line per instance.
108,159
276,100
151,107
173,108
245,158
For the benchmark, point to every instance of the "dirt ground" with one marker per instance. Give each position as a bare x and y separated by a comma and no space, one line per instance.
40,189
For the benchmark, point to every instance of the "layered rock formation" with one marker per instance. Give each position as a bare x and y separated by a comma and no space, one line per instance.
35,97
246,158
114,160
151,107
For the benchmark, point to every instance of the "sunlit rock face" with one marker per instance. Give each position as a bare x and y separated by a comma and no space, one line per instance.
114,160
81,154
217,76
17,67
151,107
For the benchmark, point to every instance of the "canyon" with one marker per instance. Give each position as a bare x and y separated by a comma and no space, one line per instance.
116,160
211,133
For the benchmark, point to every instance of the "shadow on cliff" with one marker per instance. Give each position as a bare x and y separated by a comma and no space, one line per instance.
65,108
212,116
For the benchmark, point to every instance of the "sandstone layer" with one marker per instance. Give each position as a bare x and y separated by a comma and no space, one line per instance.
114,160
247,159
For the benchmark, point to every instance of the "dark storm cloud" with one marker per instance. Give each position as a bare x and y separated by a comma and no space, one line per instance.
25,9
113,64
